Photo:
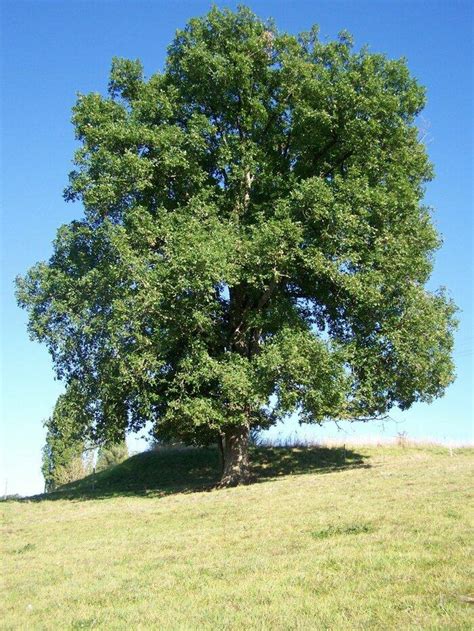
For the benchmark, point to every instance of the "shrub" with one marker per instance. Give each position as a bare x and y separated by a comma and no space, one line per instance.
111,455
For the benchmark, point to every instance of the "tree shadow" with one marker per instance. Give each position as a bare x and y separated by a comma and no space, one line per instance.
173,470
273,462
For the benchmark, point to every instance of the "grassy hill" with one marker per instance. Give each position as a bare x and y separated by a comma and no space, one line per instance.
361,538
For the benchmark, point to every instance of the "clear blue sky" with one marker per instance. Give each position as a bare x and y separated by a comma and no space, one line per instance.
51,50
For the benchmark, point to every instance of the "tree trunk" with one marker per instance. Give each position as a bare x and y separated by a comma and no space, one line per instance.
236,457
220,446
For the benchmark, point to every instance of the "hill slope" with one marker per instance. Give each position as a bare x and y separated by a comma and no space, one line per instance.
186,469
374,538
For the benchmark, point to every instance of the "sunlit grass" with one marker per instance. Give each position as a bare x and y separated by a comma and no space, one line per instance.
361,538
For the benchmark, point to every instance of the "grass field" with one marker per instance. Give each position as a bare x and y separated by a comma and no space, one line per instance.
361,538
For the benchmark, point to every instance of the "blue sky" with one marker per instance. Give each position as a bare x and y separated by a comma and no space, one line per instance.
52,50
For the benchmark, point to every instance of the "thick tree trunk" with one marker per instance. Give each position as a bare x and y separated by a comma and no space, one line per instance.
236,457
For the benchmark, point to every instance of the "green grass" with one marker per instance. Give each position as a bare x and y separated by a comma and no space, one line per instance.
363,538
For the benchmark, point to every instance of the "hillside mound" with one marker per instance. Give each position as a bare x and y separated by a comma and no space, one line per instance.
186,469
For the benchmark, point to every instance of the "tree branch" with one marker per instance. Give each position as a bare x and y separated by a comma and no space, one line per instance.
338,164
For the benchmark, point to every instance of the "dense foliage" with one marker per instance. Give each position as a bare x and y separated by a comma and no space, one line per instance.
254,241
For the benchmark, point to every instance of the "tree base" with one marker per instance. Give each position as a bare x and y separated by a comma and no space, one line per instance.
235,448
242,478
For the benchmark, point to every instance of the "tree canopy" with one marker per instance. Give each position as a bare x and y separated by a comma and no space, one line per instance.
254,241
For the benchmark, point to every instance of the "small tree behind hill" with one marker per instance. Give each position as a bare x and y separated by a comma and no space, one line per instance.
63,452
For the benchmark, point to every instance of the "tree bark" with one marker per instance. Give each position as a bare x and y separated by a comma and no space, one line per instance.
236,457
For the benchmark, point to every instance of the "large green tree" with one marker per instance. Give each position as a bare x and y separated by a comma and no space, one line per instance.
253,243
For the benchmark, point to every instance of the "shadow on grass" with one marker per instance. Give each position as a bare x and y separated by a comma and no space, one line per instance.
190,469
